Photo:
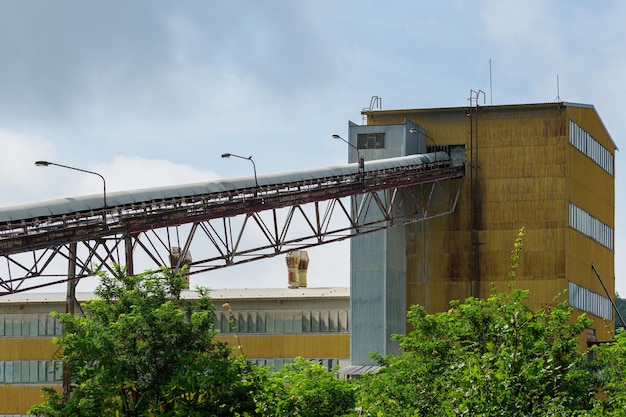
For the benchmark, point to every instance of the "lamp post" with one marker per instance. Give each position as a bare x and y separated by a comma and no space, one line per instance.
104,183
256,182
70,302
358,155
414,130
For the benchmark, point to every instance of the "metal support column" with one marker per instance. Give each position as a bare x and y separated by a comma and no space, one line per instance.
70,307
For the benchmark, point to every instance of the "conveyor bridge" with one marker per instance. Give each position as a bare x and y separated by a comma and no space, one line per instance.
223,223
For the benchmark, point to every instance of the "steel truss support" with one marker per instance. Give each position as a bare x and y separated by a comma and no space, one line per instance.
264,227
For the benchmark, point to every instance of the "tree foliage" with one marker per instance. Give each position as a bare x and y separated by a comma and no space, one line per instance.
611,372
485,357
142,349
620,303
306,389
493,357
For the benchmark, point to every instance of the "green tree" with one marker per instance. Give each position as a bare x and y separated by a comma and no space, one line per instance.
305,389
142,349
611,373
620,303
491,357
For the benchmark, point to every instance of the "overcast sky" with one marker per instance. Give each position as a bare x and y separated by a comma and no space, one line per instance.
152,92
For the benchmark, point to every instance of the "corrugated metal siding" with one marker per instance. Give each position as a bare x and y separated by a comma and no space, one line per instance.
529,173
291,345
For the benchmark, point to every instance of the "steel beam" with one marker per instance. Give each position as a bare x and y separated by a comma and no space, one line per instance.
222,229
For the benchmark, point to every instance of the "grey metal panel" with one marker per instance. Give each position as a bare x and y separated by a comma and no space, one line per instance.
34,325
8,325
367,299
42,371
17,371
355,371
25,325
17,325
50,371
378,260
41,322
8,371
33,371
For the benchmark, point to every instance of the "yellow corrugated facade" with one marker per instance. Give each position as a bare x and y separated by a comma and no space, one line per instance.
521,171
273,326
288,346
18,398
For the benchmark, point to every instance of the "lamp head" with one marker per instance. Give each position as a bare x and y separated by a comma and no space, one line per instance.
225,155
42,163
335,136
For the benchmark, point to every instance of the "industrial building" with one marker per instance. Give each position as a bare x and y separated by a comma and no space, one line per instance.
273,326
546,167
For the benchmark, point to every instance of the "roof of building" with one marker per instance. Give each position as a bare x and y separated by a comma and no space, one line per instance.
369,112
356,371
222,294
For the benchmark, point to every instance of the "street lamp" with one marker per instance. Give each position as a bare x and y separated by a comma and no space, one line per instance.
72,281
104,183
256,182
358,154
414,130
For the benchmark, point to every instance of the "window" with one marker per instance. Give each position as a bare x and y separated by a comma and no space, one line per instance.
16,372
370,141
585,223
283,321
585,143
586,300
278,363
29,325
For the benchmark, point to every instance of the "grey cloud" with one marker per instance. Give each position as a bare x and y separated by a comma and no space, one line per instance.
120,72
48,46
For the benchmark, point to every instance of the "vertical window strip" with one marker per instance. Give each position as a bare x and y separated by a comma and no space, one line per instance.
29,325
278,363
33,372
590,226
588,145
284,321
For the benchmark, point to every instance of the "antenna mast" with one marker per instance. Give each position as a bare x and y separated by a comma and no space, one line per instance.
558,96
490,87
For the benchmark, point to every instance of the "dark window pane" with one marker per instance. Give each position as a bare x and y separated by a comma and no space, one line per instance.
370,141
380,141
361,141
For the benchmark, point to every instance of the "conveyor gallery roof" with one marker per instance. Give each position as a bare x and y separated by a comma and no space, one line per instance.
83,204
